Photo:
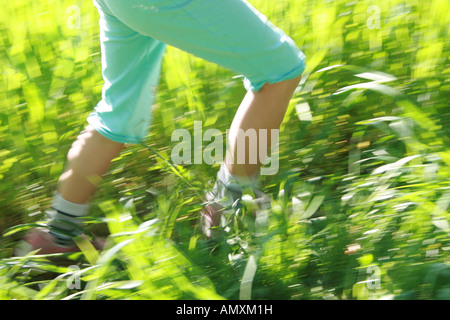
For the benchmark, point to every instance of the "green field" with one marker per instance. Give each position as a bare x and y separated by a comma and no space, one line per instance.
361,201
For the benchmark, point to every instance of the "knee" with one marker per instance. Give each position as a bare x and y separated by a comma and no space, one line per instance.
90,143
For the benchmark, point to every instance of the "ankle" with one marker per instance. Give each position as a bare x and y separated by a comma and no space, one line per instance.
65,219
237,181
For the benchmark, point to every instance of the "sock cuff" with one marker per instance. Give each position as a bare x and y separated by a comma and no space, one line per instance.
228,179
74,209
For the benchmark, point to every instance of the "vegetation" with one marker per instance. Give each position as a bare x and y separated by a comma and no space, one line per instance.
360,204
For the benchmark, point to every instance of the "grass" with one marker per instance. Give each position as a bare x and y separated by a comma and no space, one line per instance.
360,205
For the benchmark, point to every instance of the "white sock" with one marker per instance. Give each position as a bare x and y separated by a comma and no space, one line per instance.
65,219
236,183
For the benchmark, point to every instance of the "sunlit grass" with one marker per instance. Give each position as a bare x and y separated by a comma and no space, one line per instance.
362,193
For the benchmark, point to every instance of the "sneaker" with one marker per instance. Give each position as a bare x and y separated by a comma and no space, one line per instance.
40,238
223,202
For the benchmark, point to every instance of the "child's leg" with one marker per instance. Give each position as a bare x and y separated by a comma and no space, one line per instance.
264,109
130,66
88,159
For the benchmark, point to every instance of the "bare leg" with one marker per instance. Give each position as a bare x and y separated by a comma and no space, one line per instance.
88,159
264,109
91,154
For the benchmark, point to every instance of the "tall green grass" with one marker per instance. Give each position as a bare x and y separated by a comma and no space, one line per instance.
362,193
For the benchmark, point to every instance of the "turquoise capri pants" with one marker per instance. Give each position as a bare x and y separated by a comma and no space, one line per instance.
133,37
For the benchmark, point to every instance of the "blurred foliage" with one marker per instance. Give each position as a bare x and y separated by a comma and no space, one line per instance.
362,193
